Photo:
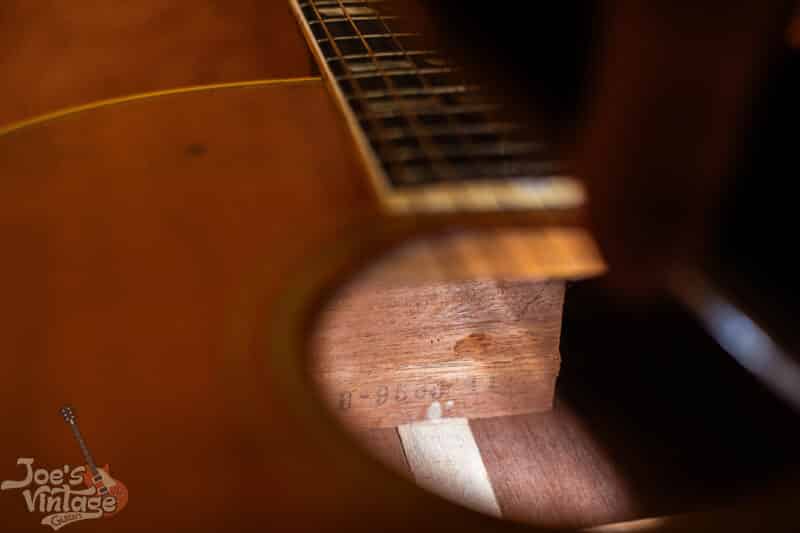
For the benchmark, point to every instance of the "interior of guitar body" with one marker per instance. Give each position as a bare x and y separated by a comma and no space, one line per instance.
523,391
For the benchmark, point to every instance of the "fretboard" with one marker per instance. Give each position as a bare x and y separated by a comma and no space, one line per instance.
431,139
84,449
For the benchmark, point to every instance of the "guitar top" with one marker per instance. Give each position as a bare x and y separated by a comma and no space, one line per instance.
169,257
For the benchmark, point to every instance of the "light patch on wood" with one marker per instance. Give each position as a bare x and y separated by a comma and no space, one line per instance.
638,526
434,411
511,254
444,459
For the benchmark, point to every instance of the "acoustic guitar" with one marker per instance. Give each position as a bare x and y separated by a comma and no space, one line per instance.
167,254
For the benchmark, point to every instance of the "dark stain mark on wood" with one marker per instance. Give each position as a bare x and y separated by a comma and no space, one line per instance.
474,344
196,149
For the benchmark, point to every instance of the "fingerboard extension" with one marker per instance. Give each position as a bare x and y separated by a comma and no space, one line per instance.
432,141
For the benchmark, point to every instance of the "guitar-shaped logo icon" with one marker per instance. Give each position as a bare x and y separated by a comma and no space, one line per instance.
99,478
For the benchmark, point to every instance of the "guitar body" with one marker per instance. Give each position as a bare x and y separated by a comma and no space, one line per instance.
115,488
167,255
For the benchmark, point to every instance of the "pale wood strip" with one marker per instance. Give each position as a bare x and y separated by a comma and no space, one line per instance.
562,253
445,459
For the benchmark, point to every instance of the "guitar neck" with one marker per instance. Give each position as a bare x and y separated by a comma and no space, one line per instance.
87,455
431,140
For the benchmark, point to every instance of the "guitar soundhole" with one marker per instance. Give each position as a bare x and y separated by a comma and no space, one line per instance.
441,361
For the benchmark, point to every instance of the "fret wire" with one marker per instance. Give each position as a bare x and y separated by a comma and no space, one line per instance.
352,7
367,36
357,18
456,150
374,122
489,128
482,171
462,136
436,162
448,117
517,169
453,110
325,3
455,119
468,149
427,91
383,54
368,70
412,120
403,72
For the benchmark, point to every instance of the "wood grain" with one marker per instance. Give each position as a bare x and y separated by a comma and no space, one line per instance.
546,469
142,254
388,355
65,53
166,257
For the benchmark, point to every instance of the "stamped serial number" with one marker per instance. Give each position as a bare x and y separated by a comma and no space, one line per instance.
402,393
